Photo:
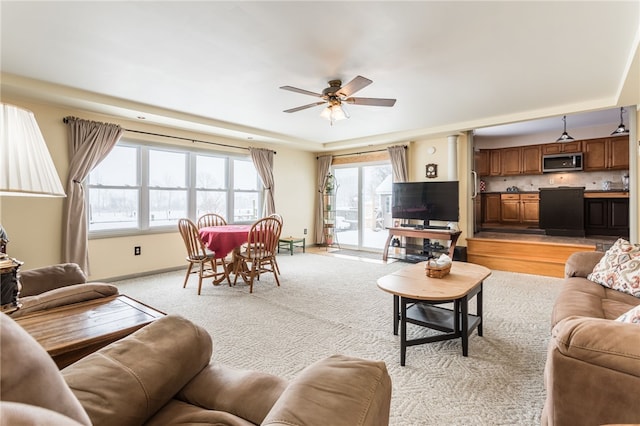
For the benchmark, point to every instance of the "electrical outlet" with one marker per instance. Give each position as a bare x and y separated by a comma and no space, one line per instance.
136,251
551,181
305,231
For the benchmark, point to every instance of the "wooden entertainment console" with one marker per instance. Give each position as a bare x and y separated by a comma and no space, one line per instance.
436,234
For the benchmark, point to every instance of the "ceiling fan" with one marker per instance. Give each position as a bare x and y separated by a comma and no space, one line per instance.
336,94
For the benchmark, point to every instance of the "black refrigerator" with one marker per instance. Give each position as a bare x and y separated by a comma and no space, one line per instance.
562,211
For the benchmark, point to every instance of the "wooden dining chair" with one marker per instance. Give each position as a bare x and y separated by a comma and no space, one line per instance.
259,254
211,219
277,216
198,254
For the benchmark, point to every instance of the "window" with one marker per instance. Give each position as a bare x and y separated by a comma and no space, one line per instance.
140,188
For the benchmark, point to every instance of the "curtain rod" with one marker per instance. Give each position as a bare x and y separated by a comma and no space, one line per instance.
363,152
65,120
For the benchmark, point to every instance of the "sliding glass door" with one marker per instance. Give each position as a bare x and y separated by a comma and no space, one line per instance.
363,205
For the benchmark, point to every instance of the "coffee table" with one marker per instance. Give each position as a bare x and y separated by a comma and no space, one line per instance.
71,332
416,298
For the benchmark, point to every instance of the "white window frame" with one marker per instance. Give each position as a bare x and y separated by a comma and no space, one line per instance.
143,226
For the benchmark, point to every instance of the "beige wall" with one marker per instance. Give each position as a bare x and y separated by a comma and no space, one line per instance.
34,225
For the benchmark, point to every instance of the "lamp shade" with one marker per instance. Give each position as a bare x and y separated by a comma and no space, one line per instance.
26,168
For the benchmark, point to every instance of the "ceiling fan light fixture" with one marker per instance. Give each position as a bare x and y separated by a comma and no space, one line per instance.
334,112
564,136
621,130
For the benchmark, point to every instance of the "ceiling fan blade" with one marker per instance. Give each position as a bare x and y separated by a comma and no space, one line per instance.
304,92
300,108
371,101
353,86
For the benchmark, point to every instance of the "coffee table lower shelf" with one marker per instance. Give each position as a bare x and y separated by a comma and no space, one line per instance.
440,319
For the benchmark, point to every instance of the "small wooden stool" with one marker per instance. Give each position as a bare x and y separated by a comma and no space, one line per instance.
290,242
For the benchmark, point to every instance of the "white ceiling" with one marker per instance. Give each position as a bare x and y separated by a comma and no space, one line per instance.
216,67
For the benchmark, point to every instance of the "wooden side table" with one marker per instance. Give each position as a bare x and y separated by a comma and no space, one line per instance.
71,332
289,243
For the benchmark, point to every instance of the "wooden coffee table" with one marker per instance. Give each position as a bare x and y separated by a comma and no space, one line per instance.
416,298
71,332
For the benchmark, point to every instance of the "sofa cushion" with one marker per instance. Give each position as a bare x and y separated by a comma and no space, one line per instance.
632,316
18,414
619,268
64,296
131,379
30,376
39,280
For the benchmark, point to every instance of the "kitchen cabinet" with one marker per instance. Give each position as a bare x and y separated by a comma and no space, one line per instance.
482,162
490,208
607,216
606,154
531,160
510,161
519,208
562,147
521,160
494,162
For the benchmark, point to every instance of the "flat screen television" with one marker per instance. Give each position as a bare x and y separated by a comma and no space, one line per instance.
426,201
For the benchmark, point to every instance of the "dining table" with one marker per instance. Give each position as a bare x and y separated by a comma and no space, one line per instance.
225,239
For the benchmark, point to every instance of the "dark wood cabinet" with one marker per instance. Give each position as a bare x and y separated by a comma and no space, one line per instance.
519,208
607,216
531,160
482,162
510,161
510,208
494,162
562,147
490,208
606,154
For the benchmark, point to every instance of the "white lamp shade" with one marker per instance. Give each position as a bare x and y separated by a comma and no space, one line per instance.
26,168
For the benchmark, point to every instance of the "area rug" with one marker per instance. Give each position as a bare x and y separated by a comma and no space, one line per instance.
327,305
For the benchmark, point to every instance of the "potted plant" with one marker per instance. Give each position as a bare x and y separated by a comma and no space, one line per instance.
329,239
330,184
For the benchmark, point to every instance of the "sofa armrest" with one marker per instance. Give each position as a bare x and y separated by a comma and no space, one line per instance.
349,391
129,380
592,373
64,296
38,280
581,263
18,414
243,393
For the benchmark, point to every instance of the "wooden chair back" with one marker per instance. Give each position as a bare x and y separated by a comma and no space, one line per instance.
211,219
277,216
192,241
262,241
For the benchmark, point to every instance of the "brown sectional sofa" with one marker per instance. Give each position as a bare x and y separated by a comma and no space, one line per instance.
592,372
162,375
57,285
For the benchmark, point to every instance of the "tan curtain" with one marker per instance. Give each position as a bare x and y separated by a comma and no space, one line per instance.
89,144
324,163
263,160
398,157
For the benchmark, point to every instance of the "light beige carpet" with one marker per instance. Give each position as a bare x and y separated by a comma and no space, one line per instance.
328,305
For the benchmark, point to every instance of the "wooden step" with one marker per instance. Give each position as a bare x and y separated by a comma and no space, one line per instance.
529,257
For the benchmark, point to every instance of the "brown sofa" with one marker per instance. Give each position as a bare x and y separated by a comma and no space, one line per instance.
57,285
592,372
162,375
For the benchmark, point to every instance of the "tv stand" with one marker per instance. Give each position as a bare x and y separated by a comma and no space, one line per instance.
436,234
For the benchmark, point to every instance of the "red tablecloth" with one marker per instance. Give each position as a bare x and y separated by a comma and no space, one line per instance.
223,239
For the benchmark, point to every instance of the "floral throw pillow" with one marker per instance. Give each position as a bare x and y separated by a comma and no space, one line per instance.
632,316
619,268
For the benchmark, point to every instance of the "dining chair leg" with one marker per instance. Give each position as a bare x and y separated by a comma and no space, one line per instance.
186,278
274,267
252,276
200,277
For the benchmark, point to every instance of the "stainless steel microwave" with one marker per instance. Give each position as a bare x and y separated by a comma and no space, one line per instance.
562,162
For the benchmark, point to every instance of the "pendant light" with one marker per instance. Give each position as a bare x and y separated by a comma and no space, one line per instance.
621,130
564,136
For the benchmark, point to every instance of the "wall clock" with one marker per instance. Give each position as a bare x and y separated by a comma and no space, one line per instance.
432,170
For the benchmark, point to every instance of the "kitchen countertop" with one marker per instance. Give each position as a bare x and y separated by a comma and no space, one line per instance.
588,193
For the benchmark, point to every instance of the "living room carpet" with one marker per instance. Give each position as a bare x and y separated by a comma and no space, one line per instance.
329,305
